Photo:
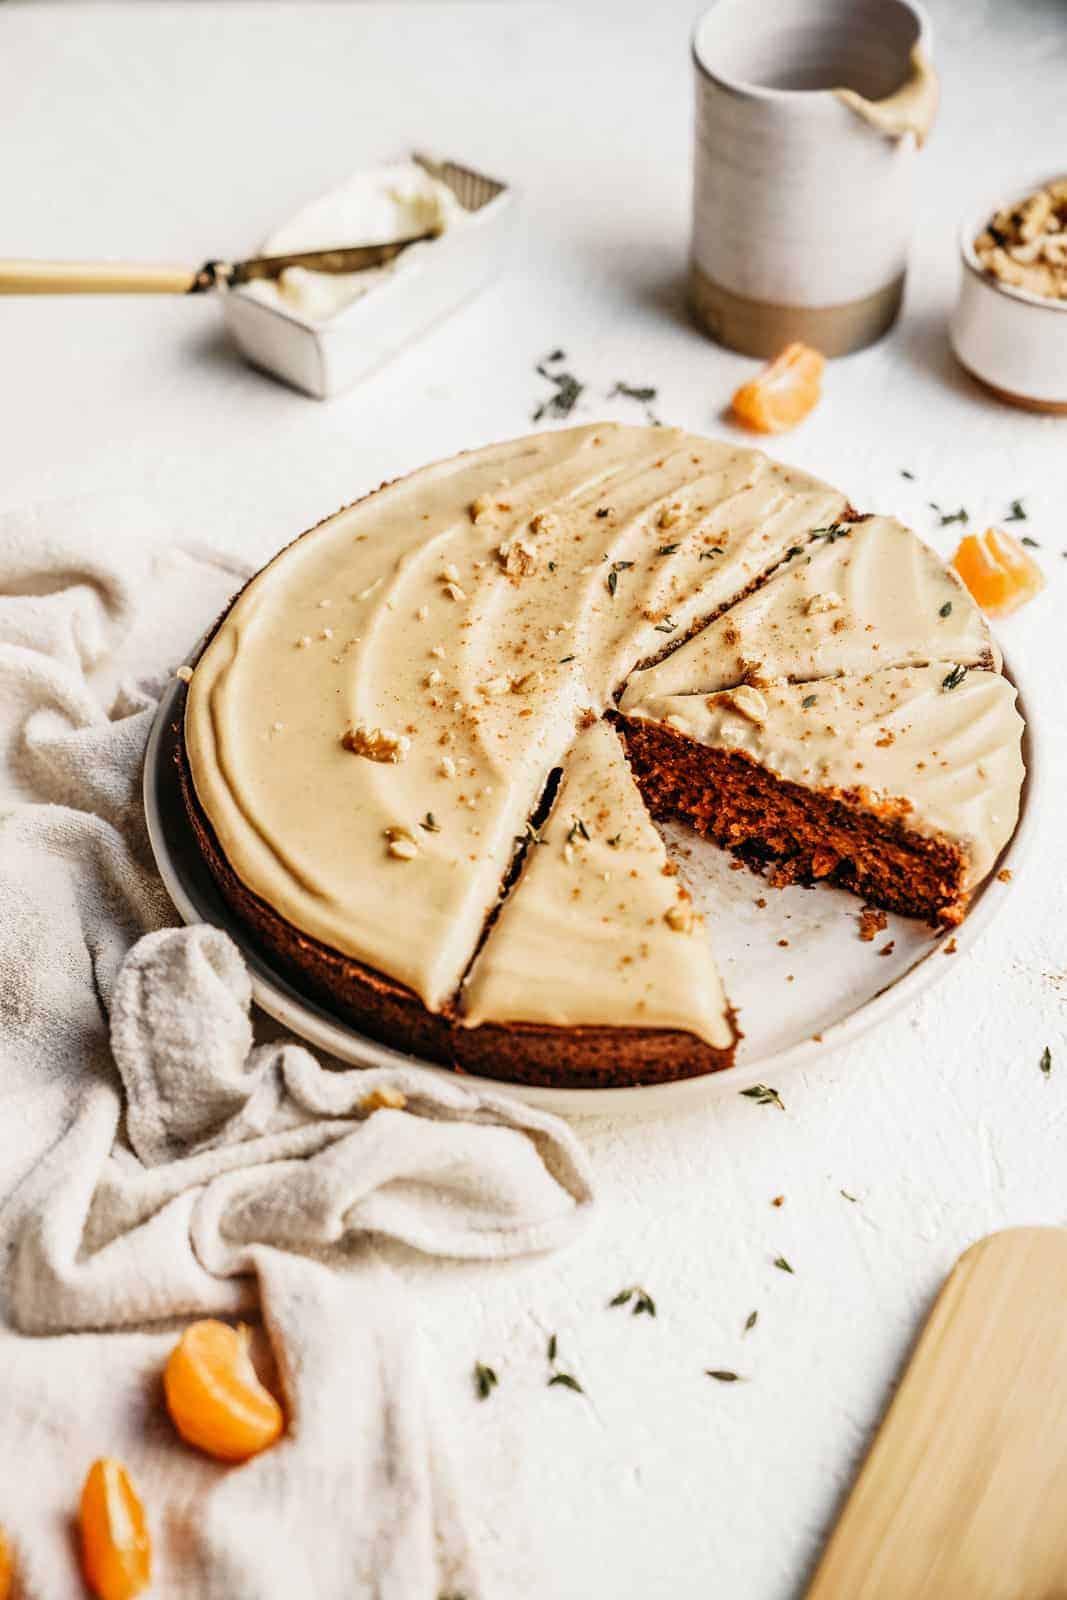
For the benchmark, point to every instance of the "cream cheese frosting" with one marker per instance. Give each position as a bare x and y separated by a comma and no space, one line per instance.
600,913
374,722
950,749
399,201
860,594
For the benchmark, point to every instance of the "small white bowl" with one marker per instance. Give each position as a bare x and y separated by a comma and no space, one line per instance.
1011,340
425,286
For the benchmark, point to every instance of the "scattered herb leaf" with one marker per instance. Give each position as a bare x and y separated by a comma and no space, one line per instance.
712,550
552,1346
1046,1061
667,549
808,701
794,550
1032,543
556,355
621,1298
948,517
564,659
953,679
668,625
836,530
1016,514
851,1197
567,1381
568,390
430,823
603,511
613,575
615,840
946,609
485,1380
782,1264
751,1320
644,394
722,1376
904,473
578,831
763,1095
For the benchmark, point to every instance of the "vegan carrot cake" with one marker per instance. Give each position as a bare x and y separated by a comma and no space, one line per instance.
422,750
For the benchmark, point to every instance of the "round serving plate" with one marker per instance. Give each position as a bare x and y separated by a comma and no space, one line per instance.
802,980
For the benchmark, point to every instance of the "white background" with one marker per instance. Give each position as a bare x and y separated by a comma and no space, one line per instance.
183,131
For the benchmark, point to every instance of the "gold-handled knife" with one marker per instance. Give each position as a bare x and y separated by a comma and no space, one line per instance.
123,277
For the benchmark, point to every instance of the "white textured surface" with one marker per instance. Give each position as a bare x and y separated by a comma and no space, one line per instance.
186,131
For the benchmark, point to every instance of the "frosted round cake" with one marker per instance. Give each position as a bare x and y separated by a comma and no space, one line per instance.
423,749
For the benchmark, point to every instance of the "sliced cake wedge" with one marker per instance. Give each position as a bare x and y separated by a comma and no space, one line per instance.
901,785
598,937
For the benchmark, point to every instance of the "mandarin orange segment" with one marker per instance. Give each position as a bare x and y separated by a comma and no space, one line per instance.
784,393
998,571
214,1395
7,1567
116,1549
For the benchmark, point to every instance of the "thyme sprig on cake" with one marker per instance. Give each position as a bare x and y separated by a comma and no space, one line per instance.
763,1095
485,1380
563,1380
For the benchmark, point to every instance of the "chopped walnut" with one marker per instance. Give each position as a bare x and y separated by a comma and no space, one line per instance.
496,686
745,699
377,744
446,767
401,844
830,601
454,592
517,558
1025,246
544,522
679,916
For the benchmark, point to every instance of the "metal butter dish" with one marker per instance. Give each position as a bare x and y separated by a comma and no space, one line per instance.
425,284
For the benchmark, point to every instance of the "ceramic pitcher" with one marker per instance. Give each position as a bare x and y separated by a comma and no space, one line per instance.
809,117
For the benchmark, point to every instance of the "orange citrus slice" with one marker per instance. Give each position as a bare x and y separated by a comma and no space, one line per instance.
214,1395
116,1549
998,571
783,393
7,1566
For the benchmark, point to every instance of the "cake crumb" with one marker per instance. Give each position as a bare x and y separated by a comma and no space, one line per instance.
783,944
779,1200
951,947
887,949
761,903
872,921
1003,876
679,916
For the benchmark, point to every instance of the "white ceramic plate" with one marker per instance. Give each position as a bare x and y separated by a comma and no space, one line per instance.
801,978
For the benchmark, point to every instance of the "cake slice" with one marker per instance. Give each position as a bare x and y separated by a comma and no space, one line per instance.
901,785
598,937
860,596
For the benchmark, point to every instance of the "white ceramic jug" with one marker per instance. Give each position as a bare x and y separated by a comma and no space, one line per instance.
809,114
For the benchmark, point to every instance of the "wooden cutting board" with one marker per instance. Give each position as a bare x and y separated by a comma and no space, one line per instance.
964,1493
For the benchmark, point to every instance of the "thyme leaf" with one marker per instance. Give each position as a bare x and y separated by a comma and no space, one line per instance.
1032,543
904,473
643,393
722,1376
782,1264
763,1095
667,549
564,659
946,609
644,1305
485,1380
578,831
1017,513
1046,1061
430,823
552,1346
953,679
808,701
567,1381
751,1320
668,625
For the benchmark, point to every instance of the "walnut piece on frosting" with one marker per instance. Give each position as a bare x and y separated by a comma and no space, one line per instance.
680,916
1025,245
401,843
745,699
517,558
830,601
377,744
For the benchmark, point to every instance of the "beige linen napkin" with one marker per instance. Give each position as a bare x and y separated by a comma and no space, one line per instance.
155,1164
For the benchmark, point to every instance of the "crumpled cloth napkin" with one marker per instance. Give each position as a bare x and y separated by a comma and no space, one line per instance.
156,1165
